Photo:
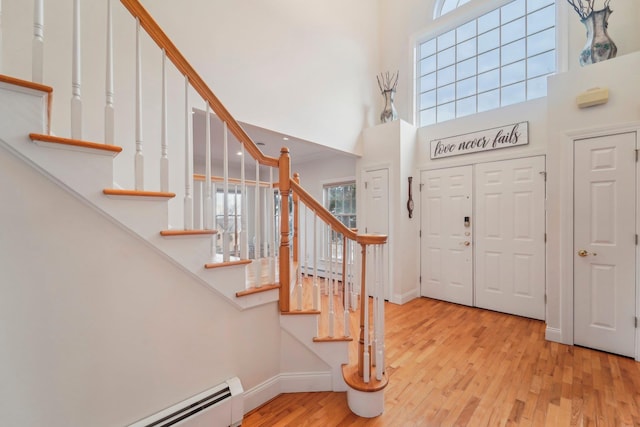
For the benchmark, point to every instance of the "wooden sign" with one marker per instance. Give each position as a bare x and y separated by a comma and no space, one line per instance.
485,140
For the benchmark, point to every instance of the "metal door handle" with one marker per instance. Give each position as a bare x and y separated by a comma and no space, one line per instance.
467,243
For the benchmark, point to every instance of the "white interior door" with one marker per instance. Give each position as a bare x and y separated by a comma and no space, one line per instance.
605,243
509,236
377,217
446,250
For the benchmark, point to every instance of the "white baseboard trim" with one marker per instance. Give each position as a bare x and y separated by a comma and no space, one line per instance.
553,334
289,382
298,382
406,297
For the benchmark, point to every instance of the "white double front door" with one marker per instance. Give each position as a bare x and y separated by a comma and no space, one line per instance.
483,235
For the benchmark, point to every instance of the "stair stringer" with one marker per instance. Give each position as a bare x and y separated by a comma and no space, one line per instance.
85,174
333,353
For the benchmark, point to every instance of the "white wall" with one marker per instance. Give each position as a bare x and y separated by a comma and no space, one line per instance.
97,328
402,22
301,68
392,146
567,121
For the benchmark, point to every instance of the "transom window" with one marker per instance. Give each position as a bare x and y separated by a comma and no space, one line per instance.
500,58
446,6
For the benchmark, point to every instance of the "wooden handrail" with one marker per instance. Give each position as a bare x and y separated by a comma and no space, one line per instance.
162,40
322,212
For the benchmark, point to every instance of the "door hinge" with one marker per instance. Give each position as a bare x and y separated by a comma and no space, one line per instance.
636,155
545,299
420,279
635,322
366,184
420,233
544,174
421,187
636,240
545,237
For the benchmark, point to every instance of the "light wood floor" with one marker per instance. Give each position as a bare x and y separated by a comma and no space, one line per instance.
451,365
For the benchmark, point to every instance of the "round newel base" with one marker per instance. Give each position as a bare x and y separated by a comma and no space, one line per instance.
364,399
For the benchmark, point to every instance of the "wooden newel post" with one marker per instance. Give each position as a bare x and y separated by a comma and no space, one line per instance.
284,166
296,219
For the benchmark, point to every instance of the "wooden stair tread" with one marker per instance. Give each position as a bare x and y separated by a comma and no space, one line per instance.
170,233
332,339
254,290
227,263
26,83
355,381
300,312
137,193
74,142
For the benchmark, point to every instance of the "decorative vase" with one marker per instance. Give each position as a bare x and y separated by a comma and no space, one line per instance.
389,113
599,46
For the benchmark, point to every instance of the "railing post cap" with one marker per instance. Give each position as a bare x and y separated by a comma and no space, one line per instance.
371,239
284,150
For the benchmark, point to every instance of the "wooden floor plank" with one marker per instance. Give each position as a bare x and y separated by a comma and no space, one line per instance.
454,365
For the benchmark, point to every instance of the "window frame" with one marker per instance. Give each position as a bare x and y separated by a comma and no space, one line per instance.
336,243
465,13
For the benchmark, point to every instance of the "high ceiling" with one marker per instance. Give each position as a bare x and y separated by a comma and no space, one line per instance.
268,141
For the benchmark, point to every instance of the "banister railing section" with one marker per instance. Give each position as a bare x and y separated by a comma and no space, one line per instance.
313,247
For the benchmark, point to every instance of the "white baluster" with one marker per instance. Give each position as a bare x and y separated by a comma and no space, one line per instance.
374,294
188,163
316,289
345,288
272,229
236,237
196,204
299,272
379,326
214,219
258,242
208,202
225,190
327,259
109,114
37,53
244,235
76,83
139,158
164,156
366,360
330,290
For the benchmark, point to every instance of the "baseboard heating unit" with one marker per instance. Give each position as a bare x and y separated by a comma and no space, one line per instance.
220,406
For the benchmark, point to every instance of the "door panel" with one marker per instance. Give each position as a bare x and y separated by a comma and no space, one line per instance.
604,243
446,251
509,236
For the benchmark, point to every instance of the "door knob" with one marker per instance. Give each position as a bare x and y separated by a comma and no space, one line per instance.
467,243
584,253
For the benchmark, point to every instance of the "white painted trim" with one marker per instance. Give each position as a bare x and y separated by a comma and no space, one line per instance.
298,382
407,296
553,334
261,394
288,382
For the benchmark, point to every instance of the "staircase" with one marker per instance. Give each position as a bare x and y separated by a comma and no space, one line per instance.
89,170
